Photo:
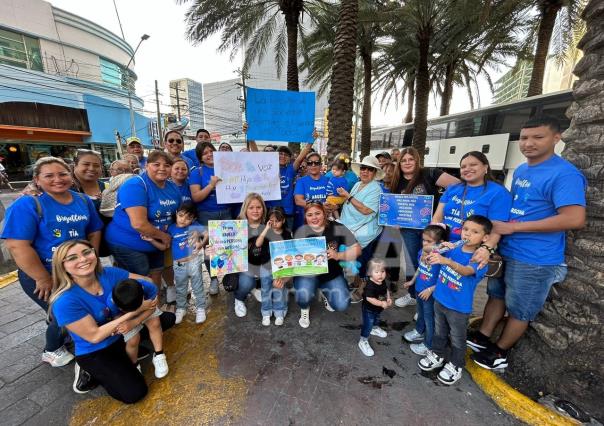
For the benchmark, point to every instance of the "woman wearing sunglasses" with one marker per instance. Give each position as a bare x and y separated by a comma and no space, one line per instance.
174,144
311,187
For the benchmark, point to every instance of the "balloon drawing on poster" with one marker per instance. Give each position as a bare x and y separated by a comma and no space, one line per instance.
227,246
246,172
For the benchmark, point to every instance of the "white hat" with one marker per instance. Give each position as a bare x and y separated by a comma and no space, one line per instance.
369,161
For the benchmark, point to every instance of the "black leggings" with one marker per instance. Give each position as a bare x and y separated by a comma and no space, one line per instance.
114,370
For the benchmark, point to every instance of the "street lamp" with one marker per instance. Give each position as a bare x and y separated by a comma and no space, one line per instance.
129,84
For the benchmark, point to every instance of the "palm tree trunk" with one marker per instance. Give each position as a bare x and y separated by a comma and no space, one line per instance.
445,103
410,99
292,18
341,95
467,80
562,350
422,93
366,118
549,11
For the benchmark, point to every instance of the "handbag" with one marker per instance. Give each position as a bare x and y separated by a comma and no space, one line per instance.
230,282
495,266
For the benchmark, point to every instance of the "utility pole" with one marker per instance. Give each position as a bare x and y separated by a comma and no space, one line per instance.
244,99
177,102
159,133
118,143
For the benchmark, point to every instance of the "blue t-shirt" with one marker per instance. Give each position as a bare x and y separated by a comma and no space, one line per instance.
59,222
492,201
538,192
383,185
185,191
427,274
202,176
287,175
350,177
189,162
190,154
312,190
161,204
453,290
336,182
180,239
149,293
142,162
75,303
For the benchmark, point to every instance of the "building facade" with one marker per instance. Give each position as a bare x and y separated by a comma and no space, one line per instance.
64,85
186,100
222,105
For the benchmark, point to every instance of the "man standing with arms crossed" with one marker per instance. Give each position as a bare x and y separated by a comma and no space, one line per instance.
548,199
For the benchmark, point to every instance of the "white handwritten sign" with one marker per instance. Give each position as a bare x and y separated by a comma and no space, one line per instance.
245,172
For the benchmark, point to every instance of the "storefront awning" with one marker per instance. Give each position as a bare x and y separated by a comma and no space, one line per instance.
41,134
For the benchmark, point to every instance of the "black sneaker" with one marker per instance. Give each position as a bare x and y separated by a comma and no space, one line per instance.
143,353
491,359
83,381
477,341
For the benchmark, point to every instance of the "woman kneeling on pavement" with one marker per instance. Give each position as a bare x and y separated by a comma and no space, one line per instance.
341,246
82,302
35,226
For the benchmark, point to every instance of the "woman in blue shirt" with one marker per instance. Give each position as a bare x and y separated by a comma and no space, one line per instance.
311,187
180,176
36,225
81,302
203,187
87,170
145,207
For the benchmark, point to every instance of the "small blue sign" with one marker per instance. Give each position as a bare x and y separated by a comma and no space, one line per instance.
280,115
405,210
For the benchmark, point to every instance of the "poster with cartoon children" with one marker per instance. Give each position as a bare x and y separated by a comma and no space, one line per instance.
227,246
304,256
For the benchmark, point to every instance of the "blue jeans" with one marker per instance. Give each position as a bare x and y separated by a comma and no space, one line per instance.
183,271
274,300
204,216
213,280
450,324
137,262
412,241
425,320
525,287
365,257
336,291
55,338
370,319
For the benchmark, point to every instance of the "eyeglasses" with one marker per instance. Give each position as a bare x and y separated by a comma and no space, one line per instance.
313,163
176,141
367,168
72,258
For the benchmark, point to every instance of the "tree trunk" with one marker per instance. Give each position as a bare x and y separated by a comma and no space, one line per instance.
341,95
366,117
445,103
422,93
292,18
410,99
549,11
562,350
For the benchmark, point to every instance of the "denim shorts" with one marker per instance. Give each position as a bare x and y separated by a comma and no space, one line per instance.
137,262
525,287
136,329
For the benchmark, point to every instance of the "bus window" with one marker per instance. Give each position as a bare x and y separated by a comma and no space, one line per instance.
510,121
436,132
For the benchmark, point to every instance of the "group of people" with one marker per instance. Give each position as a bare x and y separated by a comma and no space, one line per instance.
152,217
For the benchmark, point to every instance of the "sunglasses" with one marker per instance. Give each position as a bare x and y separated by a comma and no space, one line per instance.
367,168
314,202
176,141
72,258
313,163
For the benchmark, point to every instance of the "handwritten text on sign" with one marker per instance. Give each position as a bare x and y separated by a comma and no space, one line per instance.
245,172
405,210
280,115
228,246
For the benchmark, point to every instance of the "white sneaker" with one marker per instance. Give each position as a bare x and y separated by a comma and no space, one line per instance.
257,294
266,320
58,358
326,303
240,309
449,374
304,320
200,315
379,332
279,321
430,362
180,314
161,365
365,347
415,317
418,349
406,300
413,336
170,294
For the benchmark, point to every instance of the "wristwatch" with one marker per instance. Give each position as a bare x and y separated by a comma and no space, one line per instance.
490,249
350,198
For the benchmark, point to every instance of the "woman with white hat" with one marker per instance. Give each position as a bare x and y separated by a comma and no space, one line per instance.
360,211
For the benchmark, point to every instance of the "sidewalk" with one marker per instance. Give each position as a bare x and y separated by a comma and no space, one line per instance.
234,371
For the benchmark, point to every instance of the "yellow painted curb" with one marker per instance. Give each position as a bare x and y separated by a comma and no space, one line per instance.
512,401
8,279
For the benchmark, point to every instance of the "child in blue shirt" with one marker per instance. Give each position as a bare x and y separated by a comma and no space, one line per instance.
454,294
425,283
128,296
337,180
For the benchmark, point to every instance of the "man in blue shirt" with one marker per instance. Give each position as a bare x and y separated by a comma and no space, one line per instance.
548,198
202,135
134,146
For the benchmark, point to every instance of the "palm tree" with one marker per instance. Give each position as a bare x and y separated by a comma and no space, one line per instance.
562,350
543,28
341,94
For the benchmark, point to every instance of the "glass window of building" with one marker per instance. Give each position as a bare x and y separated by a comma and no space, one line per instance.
113,74
20,51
